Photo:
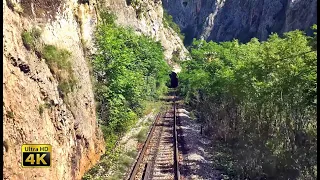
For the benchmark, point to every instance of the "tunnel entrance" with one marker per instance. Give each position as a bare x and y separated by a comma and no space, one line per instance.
174,80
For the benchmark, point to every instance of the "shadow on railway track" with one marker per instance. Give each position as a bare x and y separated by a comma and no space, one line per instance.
168,139
197,165
161,163
184,168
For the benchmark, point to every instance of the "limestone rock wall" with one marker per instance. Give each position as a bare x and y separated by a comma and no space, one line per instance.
33,111
148,22
71,128
223,20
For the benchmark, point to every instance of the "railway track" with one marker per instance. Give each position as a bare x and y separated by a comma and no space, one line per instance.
158,159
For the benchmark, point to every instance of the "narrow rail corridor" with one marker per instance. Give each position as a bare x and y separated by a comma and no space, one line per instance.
158,159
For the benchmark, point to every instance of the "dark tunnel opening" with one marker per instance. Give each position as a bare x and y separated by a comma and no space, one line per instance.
174,80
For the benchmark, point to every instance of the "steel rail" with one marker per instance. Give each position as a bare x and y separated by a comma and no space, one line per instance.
176,152
142,152
147,170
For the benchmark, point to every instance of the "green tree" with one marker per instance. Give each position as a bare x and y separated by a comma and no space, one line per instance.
129,69
260,99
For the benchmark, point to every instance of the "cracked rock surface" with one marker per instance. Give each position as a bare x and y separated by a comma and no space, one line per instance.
223,20
33,111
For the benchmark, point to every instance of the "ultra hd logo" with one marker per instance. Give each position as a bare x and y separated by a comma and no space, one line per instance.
36,155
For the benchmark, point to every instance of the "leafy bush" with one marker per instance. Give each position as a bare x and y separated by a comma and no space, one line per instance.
130,69
260,98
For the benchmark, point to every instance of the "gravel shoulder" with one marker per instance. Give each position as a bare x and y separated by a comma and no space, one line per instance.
129,142
193,149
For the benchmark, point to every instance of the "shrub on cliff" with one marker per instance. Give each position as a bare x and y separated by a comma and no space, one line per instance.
30,38
56,58
59,63
168,22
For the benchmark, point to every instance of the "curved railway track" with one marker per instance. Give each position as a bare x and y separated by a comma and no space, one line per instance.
158,159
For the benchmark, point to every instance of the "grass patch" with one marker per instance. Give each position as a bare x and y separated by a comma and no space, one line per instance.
242,160
41,109
168,22
66,86
176,56
148,122
116,176
30,38
132,153
16,7
150,105
56,58
10,114
116,159
134,3
126,161
139,6
27,40
124,164
142,135
61,67
192,115
84,44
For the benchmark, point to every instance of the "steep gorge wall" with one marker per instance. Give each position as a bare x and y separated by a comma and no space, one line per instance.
71,128
148,22
223,20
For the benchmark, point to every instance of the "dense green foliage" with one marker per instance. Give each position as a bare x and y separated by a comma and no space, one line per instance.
130,70
258,102
168,22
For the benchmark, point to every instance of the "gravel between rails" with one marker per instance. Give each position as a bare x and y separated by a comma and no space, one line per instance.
151,150
163,167
160,151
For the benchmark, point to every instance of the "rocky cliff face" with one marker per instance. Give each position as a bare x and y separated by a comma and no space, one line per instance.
146,17
33,109
223,20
